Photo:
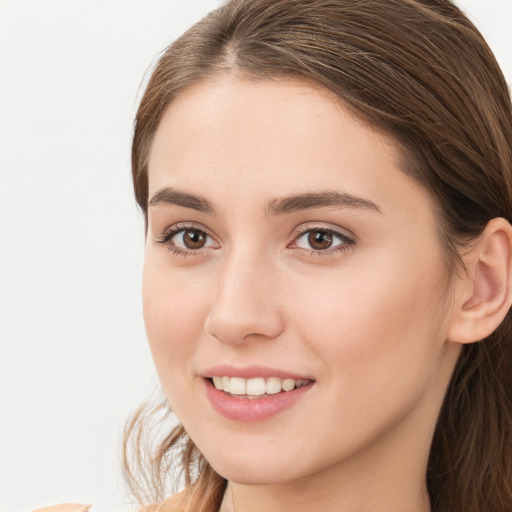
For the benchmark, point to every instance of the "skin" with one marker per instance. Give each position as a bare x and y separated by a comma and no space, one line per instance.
367,320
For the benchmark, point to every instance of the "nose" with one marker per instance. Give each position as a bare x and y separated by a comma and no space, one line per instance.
246,304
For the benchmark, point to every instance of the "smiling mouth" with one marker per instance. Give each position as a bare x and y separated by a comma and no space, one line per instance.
257,387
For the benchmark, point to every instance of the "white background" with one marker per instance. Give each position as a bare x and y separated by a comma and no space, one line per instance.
73,356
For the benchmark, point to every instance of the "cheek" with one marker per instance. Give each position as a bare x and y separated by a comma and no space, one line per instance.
376,327
378,336
174,314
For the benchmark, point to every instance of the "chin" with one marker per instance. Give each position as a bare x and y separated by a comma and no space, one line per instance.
259,466
254,473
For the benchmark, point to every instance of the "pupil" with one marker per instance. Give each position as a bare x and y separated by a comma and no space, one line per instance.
320,239
194,239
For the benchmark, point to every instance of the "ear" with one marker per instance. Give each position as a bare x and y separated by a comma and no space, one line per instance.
483,294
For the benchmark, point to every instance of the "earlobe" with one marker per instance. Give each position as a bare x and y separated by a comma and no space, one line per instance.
484,293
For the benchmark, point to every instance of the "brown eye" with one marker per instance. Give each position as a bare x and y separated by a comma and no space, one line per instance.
320,240
187,240
193,239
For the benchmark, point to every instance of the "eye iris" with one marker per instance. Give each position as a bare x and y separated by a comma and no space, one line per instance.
320,239
194,239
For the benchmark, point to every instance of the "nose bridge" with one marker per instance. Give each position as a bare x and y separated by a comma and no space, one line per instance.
245,302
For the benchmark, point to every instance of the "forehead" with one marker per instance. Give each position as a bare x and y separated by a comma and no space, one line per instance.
267,138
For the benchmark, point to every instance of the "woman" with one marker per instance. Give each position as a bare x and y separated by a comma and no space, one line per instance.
328,191
327,187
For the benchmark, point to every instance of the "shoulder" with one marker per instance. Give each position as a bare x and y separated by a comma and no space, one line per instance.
65,507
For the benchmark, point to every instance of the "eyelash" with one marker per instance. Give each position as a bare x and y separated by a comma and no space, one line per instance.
166,238
345,241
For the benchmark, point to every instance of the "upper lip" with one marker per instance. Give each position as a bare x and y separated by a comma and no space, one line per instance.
250,372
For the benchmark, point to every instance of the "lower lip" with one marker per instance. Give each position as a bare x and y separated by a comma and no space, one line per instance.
256,409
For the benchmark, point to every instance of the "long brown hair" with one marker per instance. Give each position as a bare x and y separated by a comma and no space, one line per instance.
421,72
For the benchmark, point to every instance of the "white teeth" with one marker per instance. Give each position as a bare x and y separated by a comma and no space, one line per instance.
237,386
225,384
217,382
255,387
288,384
273,385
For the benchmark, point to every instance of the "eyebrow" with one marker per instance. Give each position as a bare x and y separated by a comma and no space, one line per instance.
277,206
170,196
328,198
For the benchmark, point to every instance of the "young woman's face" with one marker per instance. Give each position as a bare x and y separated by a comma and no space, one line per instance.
286,249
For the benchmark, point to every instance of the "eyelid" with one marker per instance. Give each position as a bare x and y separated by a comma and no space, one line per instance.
323,226
170,232
342,234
